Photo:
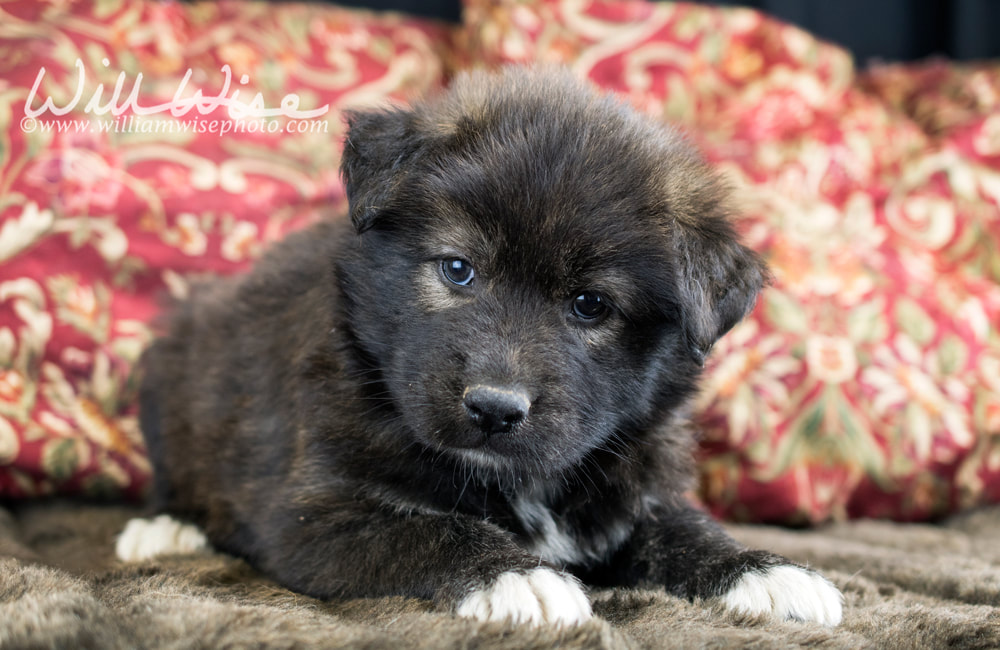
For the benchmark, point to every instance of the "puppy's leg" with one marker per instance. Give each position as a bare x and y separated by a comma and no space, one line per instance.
690,554
466,565
142,538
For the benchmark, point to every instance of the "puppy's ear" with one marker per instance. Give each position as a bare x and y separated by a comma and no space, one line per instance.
718,282
377,146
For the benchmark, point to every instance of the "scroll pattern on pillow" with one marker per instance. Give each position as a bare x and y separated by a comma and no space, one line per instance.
101,214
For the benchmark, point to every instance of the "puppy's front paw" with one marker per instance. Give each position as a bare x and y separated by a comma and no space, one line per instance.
538,596
788,592
146,538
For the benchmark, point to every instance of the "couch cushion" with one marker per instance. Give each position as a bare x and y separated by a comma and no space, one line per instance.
101,214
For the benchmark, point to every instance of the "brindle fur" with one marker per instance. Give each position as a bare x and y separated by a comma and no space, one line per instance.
308,415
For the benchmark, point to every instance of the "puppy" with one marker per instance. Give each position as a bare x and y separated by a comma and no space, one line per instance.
474,391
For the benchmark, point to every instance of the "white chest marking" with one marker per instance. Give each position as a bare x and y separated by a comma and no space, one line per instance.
553,542
549,542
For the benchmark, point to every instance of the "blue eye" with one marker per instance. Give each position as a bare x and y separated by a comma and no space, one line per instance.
589,306
458,271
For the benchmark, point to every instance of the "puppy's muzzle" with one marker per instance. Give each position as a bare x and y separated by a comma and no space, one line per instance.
495,409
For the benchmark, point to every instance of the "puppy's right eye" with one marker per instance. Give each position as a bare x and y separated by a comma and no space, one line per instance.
590,306
458,271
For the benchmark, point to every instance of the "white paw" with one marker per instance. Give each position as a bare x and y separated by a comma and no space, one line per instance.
536,597
787,592
146,538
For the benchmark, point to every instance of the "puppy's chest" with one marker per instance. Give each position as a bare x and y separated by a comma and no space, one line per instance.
567,538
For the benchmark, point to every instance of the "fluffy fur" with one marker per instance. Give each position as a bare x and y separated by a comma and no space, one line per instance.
484,372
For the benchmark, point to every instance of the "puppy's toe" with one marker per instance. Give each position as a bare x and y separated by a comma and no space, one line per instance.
535,597
146,538
787,592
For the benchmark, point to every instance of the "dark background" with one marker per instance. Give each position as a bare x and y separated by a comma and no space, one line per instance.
887,30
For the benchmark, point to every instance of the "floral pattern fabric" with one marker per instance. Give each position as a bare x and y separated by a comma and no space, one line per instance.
104,215
865,383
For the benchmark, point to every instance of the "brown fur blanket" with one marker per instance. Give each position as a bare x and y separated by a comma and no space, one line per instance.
906,585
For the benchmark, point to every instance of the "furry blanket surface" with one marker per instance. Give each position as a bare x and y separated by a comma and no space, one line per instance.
906,586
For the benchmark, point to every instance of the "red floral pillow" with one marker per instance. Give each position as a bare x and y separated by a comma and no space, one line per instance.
103,211
867,381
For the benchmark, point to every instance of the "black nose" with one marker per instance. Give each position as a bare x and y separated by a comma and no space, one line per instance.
496,409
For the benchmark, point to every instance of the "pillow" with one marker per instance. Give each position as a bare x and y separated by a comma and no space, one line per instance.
867,380
102,213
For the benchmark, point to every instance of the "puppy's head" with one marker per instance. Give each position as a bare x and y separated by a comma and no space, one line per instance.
539,270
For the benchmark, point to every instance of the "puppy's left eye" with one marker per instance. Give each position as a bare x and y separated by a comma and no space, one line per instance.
458,271
590,306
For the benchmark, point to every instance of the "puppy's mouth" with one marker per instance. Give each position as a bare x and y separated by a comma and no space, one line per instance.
494,410
517,429
490,425
488,419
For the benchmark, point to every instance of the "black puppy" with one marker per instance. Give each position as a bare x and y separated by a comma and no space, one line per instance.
478,391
